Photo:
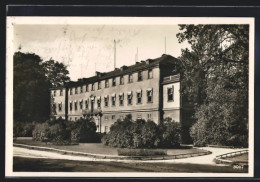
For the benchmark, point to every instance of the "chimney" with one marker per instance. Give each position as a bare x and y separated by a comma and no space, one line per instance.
123,68
98,74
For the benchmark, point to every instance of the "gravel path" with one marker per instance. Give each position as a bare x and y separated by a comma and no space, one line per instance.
207,159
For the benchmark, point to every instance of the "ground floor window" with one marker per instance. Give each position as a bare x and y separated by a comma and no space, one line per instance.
139,116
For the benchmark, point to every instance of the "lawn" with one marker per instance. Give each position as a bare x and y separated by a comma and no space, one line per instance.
56,165
98,148
243,157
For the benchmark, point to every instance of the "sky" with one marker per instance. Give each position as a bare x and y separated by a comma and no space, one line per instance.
89,48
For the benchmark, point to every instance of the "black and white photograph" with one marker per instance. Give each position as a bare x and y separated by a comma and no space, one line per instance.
130,97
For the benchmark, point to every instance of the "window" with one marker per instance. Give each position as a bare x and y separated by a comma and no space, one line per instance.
113,98
113,82
99,85
81,104
86,88
106,84
106,118
60,106
61,92
129,98
76,90
121,80
81,89
98,102
140,76
54,93
70,106
149,116
71,91
139,97
121,117
121,99
130,78
106,129
76,105
93,87
149,95
86,104
150,74
106,101
170,94
139,116
54,107
113,117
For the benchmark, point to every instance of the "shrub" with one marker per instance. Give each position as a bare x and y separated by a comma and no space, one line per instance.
141,152
84,130
55,131
170,133
142,134
199,134
23,129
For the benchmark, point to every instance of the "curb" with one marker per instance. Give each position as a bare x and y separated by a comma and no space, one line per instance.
100,156
221,159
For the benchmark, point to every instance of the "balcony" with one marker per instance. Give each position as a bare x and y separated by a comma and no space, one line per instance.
172,78
87,112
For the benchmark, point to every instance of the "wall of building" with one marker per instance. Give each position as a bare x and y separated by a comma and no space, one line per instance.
172,108
59,99
133,87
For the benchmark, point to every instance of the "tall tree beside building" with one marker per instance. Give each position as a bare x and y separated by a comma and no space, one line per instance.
32,82
55,72
216,80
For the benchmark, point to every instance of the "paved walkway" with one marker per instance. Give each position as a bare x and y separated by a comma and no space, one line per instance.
207,159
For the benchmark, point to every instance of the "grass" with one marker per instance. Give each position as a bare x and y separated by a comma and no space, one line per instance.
243,157
99,148
58,165
93,148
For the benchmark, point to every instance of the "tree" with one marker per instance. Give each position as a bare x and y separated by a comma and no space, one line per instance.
55,72
32,80
215,79
30,88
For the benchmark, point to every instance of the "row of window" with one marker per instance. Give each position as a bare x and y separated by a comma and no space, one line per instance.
139,94
121,98
121,82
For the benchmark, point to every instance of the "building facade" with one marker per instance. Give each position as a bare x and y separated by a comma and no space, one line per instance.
148,90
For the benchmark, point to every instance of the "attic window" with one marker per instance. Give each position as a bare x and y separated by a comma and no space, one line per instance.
113,82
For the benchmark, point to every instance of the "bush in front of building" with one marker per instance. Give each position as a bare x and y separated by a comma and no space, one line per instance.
61,132
169,133
57,132
84,130
142,134
23,129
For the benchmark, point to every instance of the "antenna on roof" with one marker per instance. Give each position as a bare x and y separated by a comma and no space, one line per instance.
136,55
114,54
165,45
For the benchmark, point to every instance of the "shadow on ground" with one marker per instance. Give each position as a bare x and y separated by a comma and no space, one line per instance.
55,165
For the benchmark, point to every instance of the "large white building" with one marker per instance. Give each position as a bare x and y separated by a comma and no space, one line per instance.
149,90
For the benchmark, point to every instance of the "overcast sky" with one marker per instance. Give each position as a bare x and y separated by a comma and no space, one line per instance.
89,48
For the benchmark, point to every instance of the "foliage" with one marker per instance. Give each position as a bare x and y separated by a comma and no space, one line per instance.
55,131
84,130
170,133
141,152
23,129
142,134
61,132
215,80
55,72
32,80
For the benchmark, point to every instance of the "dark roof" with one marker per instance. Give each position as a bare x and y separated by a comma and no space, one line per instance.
149,63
